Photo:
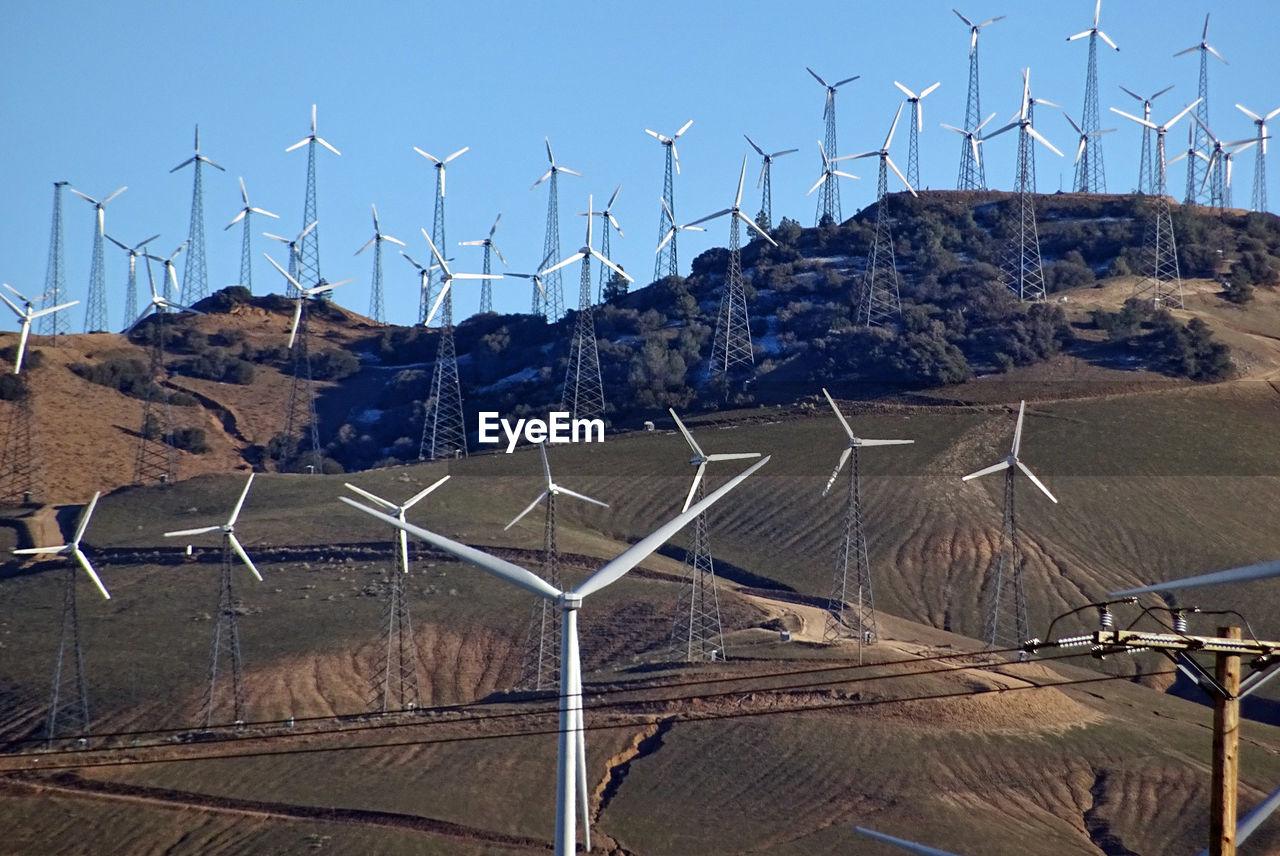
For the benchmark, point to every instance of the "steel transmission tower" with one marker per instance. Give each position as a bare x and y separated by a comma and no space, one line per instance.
1146,163
376,309
549,301
246,243
1259,202
1195,174
1090,173
766,181
156,461
69,691
195,276
308,250
857,619
437,223
972,173
917,126
880,302
829,199
224,653
55,278
486,285
95,315
667,262
395,679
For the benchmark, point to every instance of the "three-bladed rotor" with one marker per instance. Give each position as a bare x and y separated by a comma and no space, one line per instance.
227,529
552,489
855,442
26,315
1013,459
700,458
73,547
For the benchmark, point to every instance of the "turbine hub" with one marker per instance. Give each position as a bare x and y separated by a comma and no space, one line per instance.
569,600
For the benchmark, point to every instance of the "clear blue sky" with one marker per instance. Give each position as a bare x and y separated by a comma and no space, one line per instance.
107,94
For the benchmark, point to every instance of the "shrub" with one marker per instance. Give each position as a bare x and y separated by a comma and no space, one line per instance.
334,365
124,374
191,440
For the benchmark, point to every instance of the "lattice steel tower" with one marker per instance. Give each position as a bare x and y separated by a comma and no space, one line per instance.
95,315
437,223
246,242
880,302
486,285
69,691
609,223
856,618
376,310
195,276
1090,174
131,290
765,181
917,126
667,261
443,429
1146,164
224,653
55,277
19,467
309,243
1195,172
972,172
829,198
156,461
549,301
1259,202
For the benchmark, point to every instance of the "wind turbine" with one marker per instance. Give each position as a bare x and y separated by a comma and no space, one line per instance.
1191,153
486,286
295,255
1260,164
375,294
446,281
195,278
169,279
972,175
309,240
766,180
882,184
26,315
1202,110
1007,584
159,303
226,630
571,784
732,344
829,173
829,202
1220,157
917,128
69,637
131,291
1146,170
972,141
697,625
853,545
1086,137
246,251
424,279
673,227
668,264
438,219
300,300
1161,177
95,315
607,220
1090,175
550,303
397,667
541,659
880,301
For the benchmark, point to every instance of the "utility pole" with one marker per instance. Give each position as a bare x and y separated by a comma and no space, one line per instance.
1226,750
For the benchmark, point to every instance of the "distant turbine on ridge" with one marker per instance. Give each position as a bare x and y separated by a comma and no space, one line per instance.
486,285
131,290
1259,202
376,310
1146,165
26,315
766,181
246,248
829,200
917,128
438,218
1090,175
309,247
95,311
972,175
195,277
549,301
1198,142
668,263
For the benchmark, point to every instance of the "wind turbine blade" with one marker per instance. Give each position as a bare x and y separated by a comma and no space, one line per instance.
570,260
963,18
844,456
742,177
114,195
1215,53
994,468
529,508
670,234
460,151
1133,94
1079,35
243,213
615,569
900,176
1107,39
824,177
395,241
297,319
512,573
22,345
1033,132
84,519
607,263
244,557
88,569
910,846
929,89
845,174
436,306
583,497
1247,573
1027,472
327,146
693,444
885,442
372,497
235,512
422,493
367,245
284,272
910,95
759,150
693,488
182,533
1184,111
34,551
62,306
839,415
1017,429
753,225
840,83
683,128
435,252
720,213
1143,122
1080,148
733,456
888,140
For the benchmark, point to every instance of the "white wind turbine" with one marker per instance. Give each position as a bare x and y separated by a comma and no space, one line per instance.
26,315
446,280
72,548
1146,170
917,128
829,171
295,251
169,279
228,531
1161,131
486,287
440,164
1012,460
1024,121
972,137
399,512
885,161
375,292
424,278
1220,156
609,225
673,227
550,492
246,243
1259,201
159,303
1085,138
571,779
700,459
302,295
131,290
766,179
735,211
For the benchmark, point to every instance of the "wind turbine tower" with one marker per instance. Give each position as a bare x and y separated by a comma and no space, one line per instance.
226,630
668,263
131,290
72,712
1163,285
917,127
1217,174
880,302
829,200
309,247
1022,269
437,220
486,285
859,618
697,633
376,310
731,349
583,395
195,276
1146,165
55,278
972,174
766,181
1090,174
246,243
394,685
95,315
549,302
1195,178
541,666
609,224
1006,599
1260,163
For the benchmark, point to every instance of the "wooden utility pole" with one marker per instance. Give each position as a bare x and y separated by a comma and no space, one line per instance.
1226,749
